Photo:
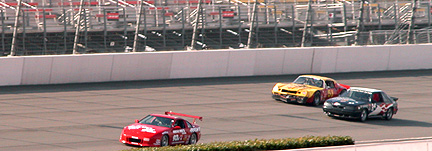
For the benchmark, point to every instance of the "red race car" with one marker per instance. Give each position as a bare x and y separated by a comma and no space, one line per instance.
157,130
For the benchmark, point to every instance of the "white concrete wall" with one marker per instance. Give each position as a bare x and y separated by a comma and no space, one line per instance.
11,71
418,145
31,70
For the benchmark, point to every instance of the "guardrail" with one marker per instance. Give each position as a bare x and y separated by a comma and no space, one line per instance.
412,145
57,69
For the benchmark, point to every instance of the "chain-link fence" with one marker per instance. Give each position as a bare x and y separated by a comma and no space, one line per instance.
49,27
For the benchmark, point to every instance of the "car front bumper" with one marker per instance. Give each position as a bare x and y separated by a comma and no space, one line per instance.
290,98
342,112
139,141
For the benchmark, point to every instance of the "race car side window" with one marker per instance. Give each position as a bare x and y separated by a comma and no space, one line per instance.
188,124
377,97
179,123
330,84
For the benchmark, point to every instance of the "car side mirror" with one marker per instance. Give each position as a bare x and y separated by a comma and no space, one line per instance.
177,127
394,99
136,121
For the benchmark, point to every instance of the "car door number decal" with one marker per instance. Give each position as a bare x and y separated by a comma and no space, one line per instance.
177,137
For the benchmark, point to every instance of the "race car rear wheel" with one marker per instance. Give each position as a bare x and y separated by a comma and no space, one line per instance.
363,115
193,139
316,99
164,141
389,114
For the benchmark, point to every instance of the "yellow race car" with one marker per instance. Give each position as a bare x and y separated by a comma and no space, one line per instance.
308,89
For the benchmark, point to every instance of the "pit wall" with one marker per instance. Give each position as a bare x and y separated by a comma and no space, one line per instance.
59,69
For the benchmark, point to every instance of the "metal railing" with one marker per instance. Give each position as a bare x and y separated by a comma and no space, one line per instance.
110,26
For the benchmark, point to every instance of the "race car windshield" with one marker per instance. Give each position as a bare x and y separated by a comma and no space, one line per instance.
357,95
309,81
157,121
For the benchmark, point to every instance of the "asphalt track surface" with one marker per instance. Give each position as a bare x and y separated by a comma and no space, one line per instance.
91,116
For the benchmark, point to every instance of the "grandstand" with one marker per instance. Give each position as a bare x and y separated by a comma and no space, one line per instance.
48,27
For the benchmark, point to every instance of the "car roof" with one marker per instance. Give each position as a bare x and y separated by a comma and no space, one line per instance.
166,116
316,76
366,89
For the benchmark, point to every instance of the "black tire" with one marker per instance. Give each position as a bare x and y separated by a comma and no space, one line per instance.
363,115
302,101
316,99
329,114
389,114
164,141
193,139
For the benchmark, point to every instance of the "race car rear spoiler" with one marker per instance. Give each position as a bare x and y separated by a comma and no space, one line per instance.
185,115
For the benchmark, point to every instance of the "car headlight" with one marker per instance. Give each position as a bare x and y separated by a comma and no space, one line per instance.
275,88
304,92
326,103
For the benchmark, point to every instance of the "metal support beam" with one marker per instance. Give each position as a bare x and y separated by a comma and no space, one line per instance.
306,24
15,30
137,27
78,26
2,33
360,23
410,38
252,24
195,27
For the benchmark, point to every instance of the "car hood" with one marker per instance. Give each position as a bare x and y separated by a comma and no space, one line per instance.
295,86
144,129
344,101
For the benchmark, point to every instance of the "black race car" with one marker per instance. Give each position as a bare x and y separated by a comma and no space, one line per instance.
361,103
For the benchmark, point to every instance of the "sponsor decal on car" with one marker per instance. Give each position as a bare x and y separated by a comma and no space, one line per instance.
196,129
179,131
144,128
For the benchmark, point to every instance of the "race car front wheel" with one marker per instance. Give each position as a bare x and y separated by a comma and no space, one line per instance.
363,115
316,99
164,141
193,139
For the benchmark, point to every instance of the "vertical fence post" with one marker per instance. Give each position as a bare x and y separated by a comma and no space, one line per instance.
24,32
3,33
145,28
183,27
293,16
105,29
220,27
239,25
345,22
164,27
379,17
64,31
276,22
125,29
85,31
44,32
429,21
